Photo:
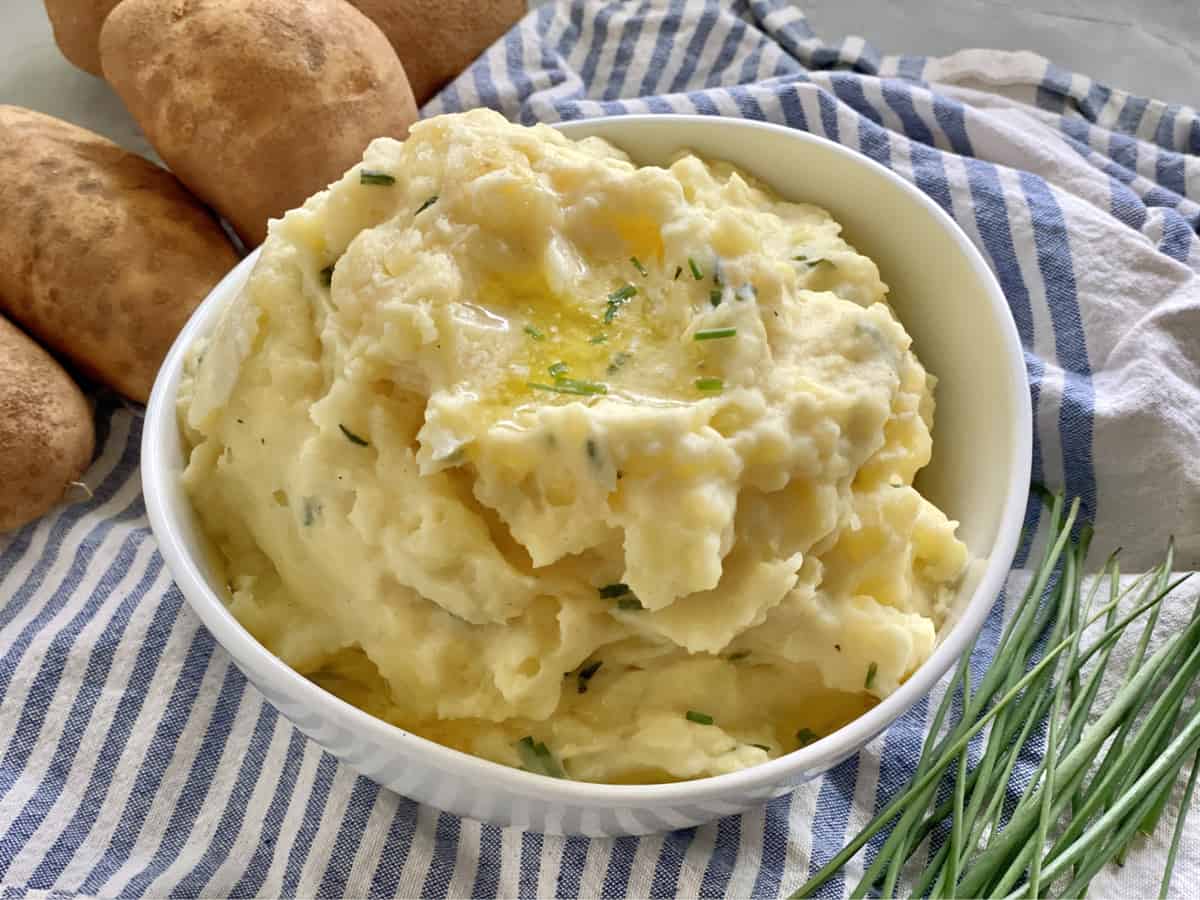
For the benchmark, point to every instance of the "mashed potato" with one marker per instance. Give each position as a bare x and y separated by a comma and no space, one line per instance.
598,469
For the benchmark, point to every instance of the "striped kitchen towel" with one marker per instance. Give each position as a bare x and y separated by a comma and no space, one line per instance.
134,758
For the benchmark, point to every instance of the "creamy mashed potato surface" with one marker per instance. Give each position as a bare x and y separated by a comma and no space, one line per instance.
599,469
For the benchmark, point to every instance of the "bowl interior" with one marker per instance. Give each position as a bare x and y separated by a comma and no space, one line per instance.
944,295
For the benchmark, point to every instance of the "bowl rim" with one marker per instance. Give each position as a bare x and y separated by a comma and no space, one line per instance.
784,769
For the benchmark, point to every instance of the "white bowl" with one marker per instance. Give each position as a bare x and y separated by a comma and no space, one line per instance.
948,300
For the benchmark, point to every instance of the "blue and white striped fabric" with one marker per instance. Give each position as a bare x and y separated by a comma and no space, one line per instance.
134,758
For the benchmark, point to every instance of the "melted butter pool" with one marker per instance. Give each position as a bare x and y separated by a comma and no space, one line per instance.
613,342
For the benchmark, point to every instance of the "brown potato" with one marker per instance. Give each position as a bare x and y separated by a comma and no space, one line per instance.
103,255
256,104
46,431
76,25
437,39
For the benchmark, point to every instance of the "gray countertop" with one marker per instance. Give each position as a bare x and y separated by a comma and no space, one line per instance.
1149,47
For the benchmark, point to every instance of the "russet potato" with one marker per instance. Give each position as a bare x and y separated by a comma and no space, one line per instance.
256,104
46,431
76,25
437,39
104,255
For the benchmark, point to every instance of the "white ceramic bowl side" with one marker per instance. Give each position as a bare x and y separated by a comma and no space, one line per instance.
950,303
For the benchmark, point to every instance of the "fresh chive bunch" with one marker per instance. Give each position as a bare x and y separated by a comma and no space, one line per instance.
1106,771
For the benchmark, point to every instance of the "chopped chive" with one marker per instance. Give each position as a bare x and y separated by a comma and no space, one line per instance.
615,299
609,591
709,384
586,673
630,603
579,386
712,334
557,369
678,272
619,359
312,509
590,669
763,747
598,339
535,757
806,736
352,437
812,263
717,280
638,265
593,451
369,176
737,654
872,671
327,275
424,206
696,273
714,296
698,717
534,333
570,386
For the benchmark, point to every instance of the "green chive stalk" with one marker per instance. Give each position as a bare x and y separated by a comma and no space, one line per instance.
1105,774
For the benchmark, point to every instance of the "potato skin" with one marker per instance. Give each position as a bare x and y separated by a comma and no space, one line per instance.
256,104
437,39
104,255
46,431
77,25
